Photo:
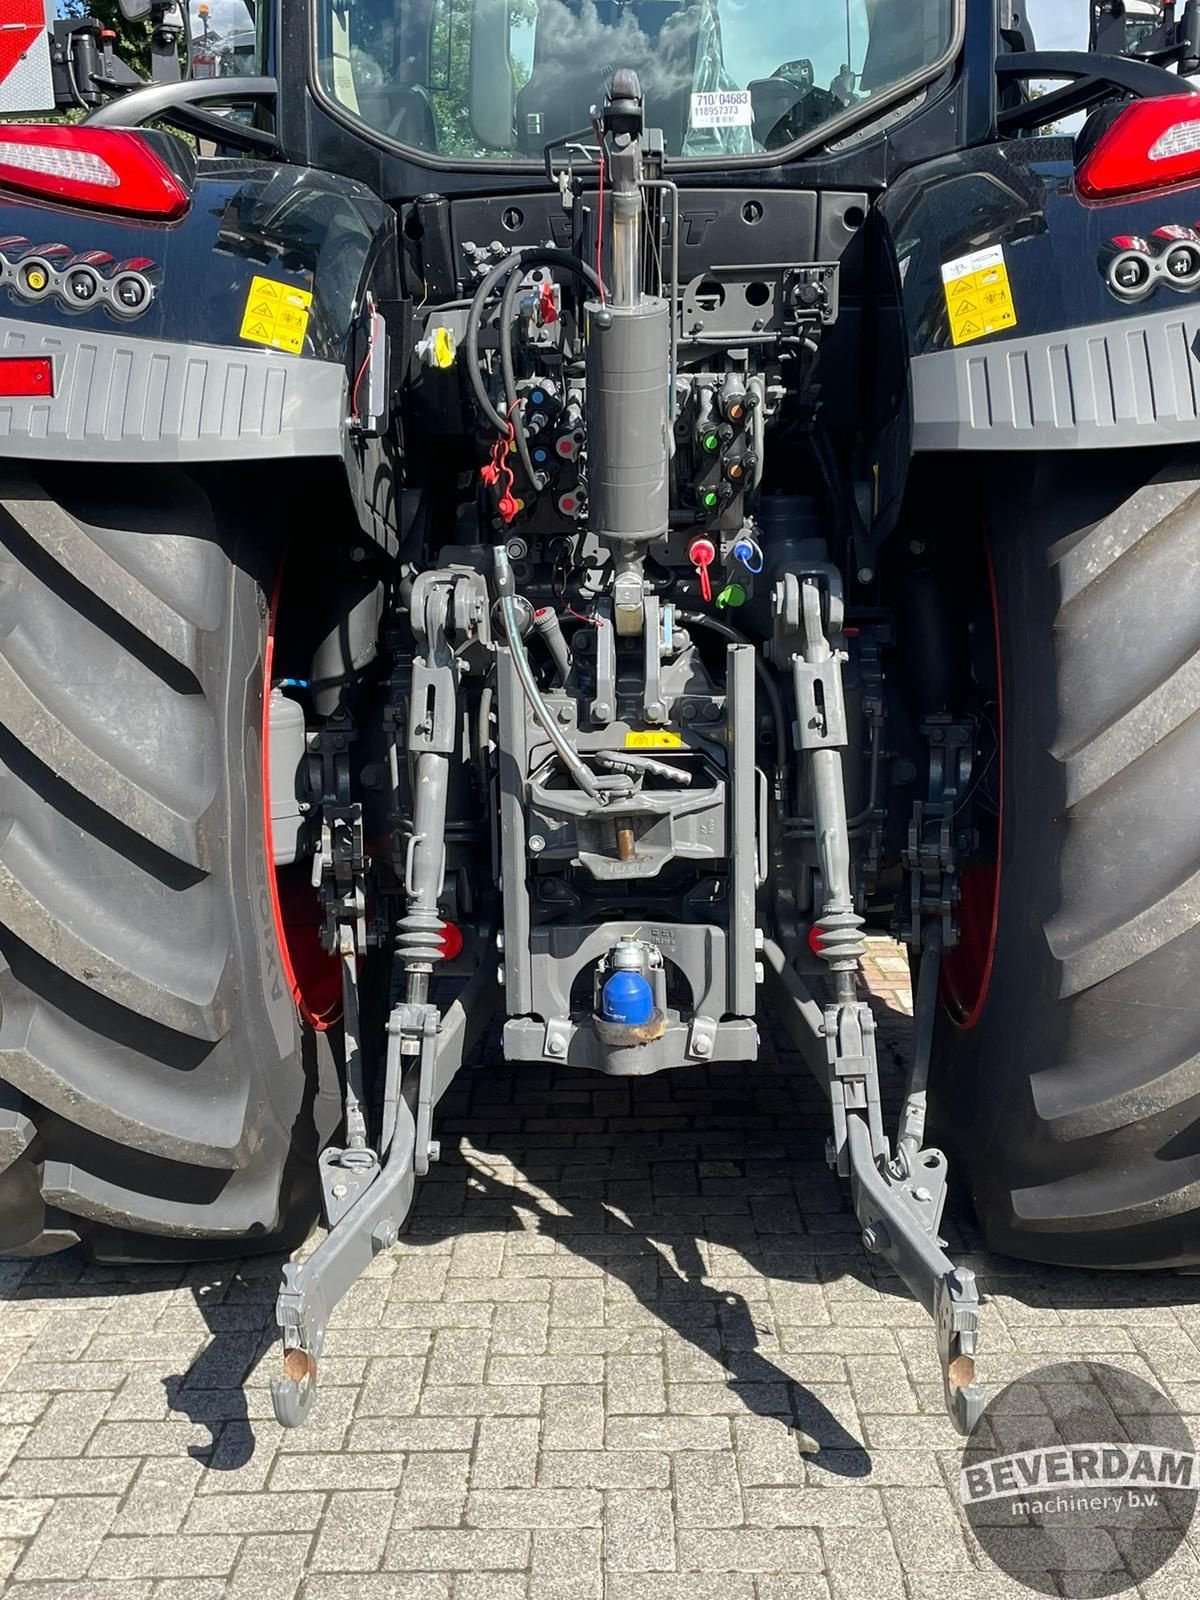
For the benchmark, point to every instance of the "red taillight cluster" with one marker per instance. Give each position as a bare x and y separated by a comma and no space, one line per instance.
1151,144
26,377
106,169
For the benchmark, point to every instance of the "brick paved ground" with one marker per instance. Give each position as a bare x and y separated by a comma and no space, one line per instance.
579,1376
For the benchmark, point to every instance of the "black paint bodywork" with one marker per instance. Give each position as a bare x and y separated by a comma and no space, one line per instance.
310,230
1020,194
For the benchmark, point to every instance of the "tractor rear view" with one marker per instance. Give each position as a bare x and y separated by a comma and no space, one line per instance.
565,514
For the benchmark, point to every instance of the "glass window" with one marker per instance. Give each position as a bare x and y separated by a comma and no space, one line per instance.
499,79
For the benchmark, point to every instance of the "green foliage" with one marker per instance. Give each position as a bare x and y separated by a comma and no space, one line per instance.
450,72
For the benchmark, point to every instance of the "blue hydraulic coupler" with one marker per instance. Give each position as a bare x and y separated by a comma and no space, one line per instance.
627,998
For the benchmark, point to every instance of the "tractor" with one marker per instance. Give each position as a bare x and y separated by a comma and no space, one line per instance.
544,521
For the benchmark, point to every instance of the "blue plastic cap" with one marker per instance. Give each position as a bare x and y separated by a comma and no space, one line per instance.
627,998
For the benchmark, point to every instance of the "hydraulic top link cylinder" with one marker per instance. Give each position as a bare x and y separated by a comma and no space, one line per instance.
628,365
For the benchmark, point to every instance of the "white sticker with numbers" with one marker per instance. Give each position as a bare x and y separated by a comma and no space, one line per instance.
722,108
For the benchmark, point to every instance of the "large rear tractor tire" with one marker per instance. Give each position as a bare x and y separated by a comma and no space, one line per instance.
161,1097
1067,1063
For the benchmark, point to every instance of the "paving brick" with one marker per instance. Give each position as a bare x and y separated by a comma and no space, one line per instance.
533,1508
166,1556
667,1433
434,1510
813,1508
506,1453
679,1586
66,1425
361,1470
90,1589
255,1513
927,1529
68,1538
767,1452
437,1473
749,1550
241,1459
566,1564
412,1433
392,1387
270,1567
458,1550
354,1531
459,1355
377,1586
520,1328
570,1370
21,1519
577,1304
160,1497
572,1419
10,1442
482,1400
604,1469
171,1437
639,1531
707,1492
490,1586
176,1589
634,1385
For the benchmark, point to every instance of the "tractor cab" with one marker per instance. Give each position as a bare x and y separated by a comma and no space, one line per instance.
493,79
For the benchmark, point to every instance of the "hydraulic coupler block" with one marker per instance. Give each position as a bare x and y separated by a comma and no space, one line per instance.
628,350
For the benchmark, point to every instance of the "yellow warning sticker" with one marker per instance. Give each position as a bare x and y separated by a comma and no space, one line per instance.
979,296
653,739
276,314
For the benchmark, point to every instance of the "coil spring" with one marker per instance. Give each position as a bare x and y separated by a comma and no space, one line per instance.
419,939
841,942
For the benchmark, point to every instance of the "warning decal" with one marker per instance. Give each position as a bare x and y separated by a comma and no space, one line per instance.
276,314
653,739
978,295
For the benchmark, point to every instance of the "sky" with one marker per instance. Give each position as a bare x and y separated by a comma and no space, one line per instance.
224,16
1059,24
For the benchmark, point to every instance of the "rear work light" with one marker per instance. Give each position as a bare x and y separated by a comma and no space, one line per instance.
106,169
26,377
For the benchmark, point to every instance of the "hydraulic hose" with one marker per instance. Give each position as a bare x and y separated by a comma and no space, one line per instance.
582,775
508,307
530,255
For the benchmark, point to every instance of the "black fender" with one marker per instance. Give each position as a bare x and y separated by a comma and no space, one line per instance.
1052,355
245,342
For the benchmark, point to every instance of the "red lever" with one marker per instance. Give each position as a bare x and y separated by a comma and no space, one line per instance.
547,311
702,553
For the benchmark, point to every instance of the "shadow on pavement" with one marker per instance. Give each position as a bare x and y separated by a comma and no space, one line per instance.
671,1185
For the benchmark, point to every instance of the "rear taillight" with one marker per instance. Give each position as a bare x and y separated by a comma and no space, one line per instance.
107,169
1150,144
29,377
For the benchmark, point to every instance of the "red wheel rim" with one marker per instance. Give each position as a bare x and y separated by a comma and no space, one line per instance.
966,972
310,972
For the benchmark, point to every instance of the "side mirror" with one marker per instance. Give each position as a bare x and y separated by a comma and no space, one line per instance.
491,94
135,10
